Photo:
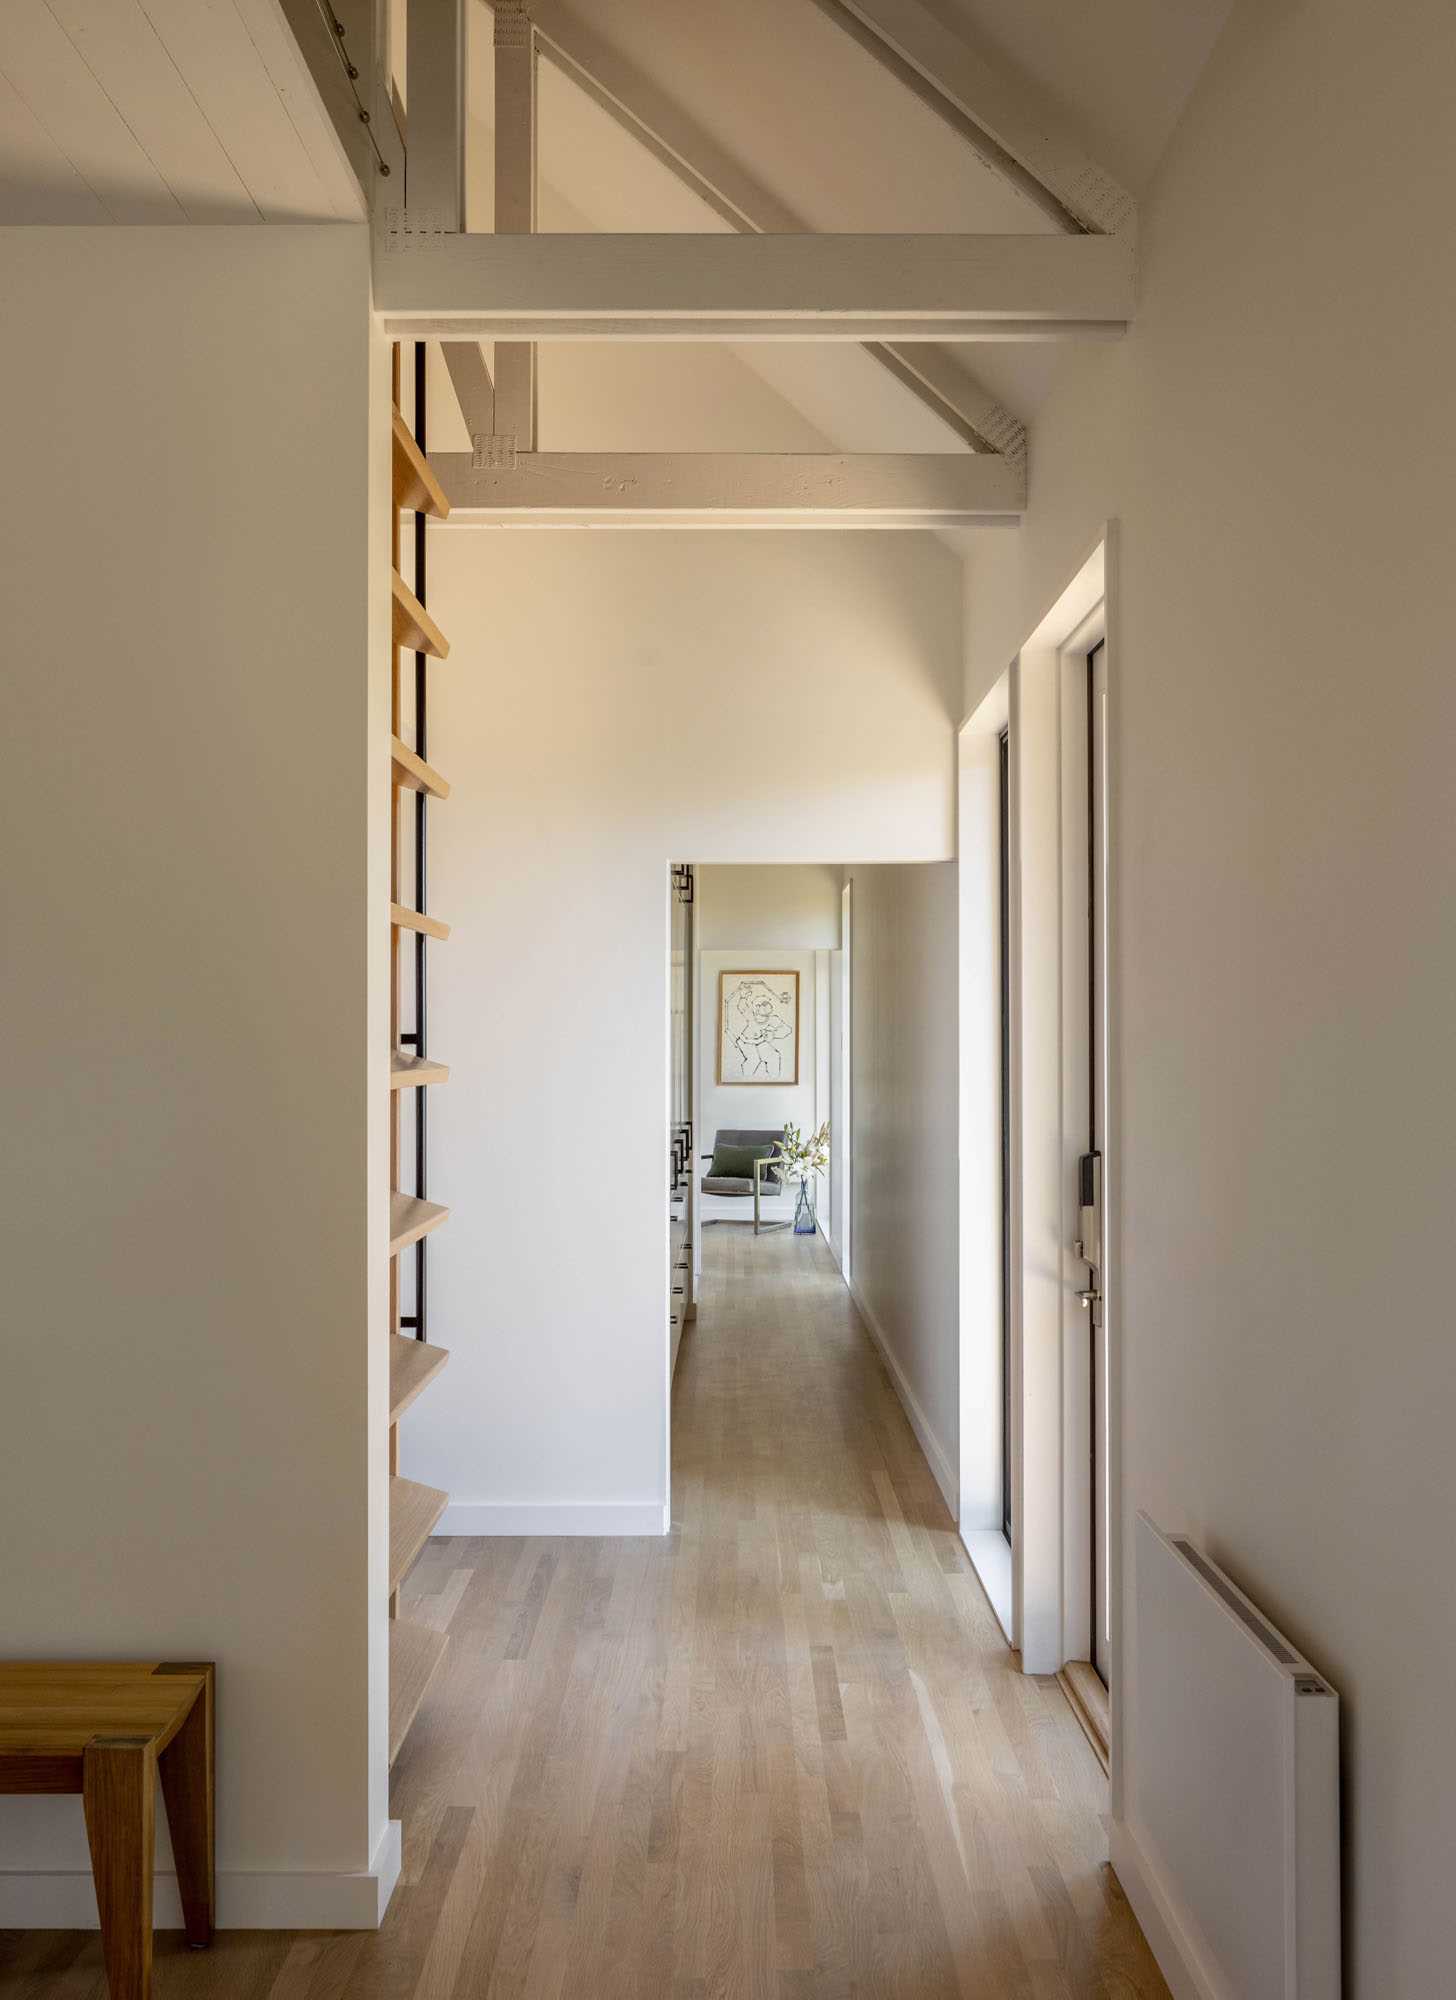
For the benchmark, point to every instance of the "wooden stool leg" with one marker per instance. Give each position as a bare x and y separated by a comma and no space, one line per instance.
186,1768
119,1788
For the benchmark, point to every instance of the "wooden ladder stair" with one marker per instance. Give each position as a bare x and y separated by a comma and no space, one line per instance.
415,1648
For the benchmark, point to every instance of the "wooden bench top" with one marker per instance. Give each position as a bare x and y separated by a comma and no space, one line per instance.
51,1709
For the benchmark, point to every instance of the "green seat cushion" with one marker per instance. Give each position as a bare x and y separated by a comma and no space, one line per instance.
736,1162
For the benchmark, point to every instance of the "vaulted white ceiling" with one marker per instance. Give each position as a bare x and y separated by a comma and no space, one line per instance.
202,110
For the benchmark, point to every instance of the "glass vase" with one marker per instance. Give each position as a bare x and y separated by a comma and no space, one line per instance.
804,1210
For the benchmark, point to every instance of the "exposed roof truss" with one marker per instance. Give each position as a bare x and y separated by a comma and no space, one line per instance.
730,191
898,296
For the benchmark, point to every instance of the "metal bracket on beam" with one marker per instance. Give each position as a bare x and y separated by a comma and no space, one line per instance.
404,227
496,452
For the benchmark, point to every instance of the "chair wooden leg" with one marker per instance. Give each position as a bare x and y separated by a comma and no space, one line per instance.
186,1769
119,1790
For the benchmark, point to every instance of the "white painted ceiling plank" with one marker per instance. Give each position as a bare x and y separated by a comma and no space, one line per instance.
38,184
221,67
278,51
120,45
46,70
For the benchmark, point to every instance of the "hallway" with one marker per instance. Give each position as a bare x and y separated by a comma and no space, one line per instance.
780,1752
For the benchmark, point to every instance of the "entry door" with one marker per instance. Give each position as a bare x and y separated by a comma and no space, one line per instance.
1096,1250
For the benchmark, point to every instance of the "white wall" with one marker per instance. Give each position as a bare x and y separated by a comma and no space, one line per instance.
769,906
613,701
191,1438
904,1058
1274,440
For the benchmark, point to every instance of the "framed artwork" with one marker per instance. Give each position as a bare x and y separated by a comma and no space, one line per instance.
758,1027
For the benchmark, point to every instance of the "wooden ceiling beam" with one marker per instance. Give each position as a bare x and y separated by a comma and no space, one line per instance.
515,206
635,103
734,489
651,287
435,157
474,390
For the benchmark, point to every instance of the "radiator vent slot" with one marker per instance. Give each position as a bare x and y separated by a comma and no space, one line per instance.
1247,1616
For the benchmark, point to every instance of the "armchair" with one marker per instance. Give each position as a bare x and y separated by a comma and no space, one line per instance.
763,1179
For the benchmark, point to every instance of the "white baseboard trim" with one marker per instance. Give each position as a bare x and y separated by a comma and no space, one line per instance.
1155,1907
567,1517
939,1463
64,1899
387,1866
990,1555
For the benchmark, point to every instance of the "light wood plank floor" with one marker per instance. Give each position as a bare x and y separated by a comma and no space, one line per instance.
782,1752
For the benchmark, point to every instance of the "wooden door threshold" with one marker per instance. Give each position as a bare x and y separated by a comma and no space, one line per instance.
1082,1685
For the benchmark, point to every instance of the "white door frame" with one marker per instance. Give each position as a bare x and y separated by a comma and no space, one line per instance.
1077,1501
981,1277
843,1055
1050,1589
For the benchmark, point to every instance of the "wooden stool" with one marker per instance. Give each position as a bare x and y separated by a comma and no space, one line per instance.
107,1730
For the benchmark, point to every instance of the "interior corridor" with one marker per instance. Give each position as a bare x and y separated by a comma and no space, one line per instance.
782,1751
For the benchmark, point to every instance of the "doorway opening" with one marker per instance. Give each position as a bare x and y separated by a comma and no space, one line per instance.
764,992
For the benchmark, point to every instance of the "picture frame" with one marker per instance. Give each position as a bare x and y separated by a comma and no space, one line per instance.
758,1027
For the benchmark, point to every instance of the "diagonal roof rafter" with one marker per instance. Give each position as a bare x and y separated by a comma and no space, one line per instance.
1004,119
731,192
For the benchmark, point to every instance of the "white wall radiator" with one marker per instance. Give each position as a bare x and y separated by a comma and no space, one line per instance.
1233,1786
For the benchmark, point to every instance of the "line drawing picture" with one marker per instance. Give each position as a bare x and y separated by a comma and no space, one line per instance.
758,1027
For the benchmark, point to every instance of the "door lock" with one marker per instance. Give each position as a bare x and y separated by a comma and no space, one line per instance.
1088,1244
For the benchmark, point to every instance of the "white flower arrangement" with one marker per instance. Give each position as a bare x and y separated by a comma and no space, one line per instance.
800,1155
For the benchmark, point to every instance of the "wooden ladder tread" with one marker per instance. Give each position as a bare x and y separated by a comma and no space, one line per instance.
414,772
413,1364
411,1072
415,1653
410,1219
413,625
415,485
413,1511
416,920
